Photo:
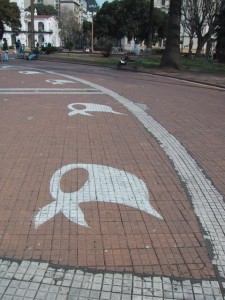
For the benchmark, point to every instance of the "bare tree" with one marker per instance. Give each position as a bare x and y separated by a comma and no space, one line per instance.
69,25
201,17
171,55
188,22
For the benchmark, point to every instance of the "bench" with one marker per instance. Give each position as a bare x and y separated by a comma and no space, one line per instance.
128,63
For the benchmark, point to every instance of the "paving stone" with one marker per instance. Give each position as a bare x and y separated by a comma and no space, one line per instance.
105,295
30,293
62,297
95,295
20,292
116,296
10,291
51,296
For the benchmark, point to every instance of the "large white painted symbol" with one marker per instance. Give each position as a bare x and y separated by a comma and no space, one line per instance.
104,184
90,107
29,72
56,81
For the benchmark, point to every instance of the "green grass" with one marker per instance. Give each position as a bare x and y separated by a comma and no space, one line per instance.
201,65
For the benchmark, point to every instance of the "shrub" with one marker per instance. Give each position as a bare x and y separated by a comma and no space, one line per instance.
157,51
105,46
69,45
49,49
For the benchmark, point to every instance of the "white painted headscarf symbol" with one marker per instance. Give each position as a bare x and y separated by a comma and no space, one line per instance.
29,72
90,107
59,81
105,184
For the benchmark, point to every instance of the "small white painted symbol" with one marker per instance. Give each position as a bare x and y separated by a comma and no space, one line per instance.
6,67
56,81
29,72
104,184
90,107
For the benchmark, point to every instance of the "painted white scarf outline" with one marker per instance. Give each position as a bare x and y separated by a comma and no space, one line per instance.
90,107
105,184
59,81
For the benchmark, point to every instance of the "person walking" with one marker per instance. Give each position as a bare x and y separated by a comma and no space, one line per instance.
1,52
18,46
5,49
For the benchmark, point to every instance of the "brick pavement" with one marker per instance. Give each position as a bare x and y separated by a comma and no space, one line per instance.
40,138
216,79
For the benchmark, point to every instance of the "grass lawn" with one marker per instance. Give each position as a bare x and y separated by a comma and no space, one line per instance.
202,65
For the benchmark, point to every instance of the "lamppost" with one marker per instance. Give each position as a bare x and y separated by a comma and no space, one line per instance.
32,23
92,8
92,34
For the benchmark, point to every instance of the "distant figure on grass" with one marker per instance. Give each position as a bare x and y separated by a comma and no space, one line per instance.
22,51
18,46
1,52
5,49
33,54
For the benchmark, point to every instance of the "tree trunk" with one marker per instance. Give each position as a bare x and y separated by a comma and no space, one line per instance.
1,29
190,46
32,24
150,33
220,48
171,56
202,39
201,43
208,48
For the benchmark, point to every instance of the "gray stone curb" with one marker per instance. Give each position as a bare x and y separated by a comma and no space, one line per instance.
33,280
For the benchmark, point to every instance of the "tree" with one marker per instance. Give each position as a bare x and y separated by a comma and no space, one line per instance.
220,48
160,21
149,38
109,21
86,32
10,16
188,22
136,19
206,13
150,31
130,18
202,16
69,26
42,9
171,55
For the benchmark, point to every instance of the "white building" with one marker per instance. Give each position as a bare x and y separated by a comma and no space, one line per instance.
45,28
55,3
162,4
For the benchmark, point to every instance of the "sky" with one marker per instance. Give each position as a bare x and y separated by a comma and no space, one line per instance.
100,2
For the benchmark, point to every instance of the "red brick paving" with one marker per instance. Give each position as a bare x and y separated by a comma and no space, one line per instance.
37,137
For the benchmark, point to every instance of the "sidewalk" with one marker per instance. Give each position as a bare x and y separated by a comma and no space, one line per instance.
120,250
217,80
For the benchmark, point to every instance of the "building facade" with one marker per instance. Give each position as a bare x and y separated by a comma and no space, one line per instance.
46,29
162,4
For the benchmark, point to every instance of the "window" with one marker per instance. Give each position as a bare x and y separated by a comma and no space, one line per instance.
40,26
163,2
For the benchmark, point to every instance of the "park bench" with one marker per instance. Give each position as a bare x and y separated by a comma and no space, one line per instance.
128,63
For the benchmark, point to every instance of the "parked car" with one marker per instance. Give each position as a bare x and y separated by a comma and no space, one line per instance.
87,49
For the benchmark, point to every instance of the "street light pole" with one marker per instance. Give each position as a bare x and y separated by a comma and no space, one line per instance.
32,23
92,34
